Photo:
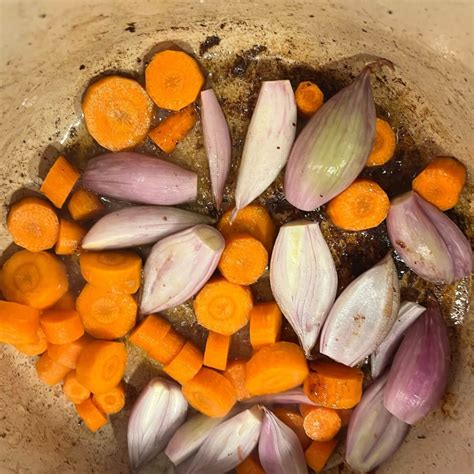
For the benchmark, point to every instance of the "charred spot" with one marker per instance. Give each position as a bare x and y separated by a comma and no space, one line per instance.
208,43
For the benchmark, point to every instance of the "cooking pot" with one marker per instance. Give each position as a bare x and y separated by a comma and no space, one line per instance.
52,49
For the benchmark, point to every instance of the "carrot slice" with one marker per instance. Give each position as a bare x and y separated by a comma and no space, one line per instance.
59,181
174,128
33,224
105,314
251,465
101,365
186,364
235,372
173,79
117,112
223,307
309,98
275,368
265,324
49,371
84,205
334,385
67,354
36,279
91,415
112,401
294,421
243,260
210,393
345,416
320,423
318,454
61,326
67,301
384,145
74,390
441,182
119,271
69,238
19,324
253,220
363,205
217,350
34,348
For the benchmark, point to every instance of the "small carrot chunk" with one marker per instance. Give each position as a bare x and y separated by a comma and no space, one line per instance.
186,364
34,348
69,238
384,145
105,314
334,385
309,98
101,365
84,205
318,454
275,368
61,326
173,79
49,371
265,324
168,348
441,182
68,354
112,401
294,421
320,423
33,224
174,128
74,390
19,324
251,465
223,307
117,112
210,393
59,181
67,301
91,415
235,372
253,220
217,350
118,271
363,205
36,279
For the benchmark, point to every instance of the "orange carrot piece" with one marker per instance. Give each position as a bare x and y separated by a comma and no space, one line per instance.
112,401
345,416
118,271
275,368
186,364
33,224
318,454
334,385
168,348
67,301
309,98
101,365
36,279
61,326
74,390
50,372
441,182
363,205
59,181
91,415
68,354
251,465
105,314
174,128
173,79
217,350
253,220
294,421
118,112
223,307
210,393
265,324
34,348
84,205
235,372
69,238
384,145
243,260
19,324
320,423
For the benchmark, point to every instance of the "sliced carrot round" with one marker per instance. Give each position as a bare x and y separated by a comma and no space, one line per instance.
384,145
19,324
318,454
235,372
35,348
68,354
69,238
91,415
112,401
117,112
74,390
321,423
61,326
265,324
186,364
309,98
84,205
49,371
217,350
